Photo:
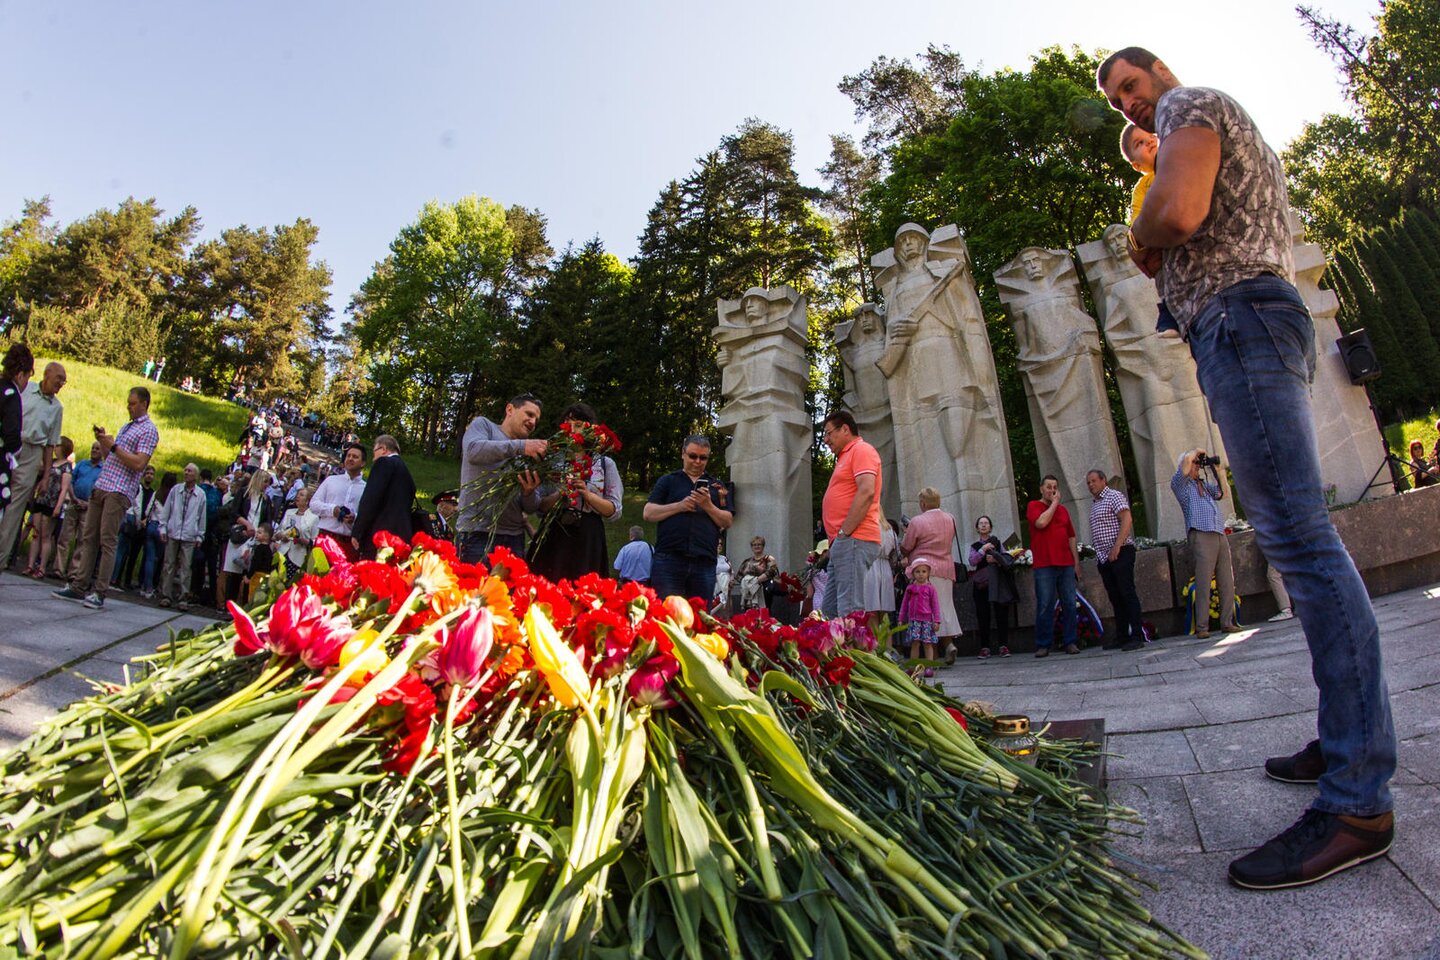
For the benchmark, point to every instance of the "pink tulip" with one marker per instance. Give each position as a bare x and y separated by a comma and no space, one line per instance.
649,685
248,639
334,553
462,658
324,638
291,619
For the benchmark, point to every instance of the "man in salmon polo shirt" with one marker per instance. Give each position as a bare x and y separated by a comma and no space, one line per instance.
851,513
1052,544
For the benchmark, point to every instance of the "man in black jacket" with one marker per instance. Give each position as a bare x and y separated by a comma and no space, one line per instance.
386,502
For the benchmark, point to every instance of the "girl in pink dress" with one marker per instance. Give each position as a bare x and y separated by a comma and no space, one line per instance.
920,611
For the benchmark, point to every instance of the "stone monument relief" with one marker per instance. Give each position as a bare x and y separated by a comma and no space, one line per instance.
861,342
1059,362
761,341
1350,443
940,376
1164,406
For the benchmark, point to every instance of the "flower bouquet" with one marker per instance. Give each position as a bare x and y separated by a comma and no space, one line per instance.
565,466
793,588
415,756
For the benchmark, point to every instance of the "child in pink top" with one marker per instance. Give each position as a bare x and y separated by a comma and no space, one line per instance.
920,610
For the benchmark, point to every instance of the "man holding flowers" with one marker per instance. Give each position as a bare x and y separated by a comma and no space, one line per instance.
483,524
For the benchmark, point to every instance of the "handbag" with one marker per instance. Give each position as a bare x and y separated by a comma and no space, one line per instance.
238,535
962,572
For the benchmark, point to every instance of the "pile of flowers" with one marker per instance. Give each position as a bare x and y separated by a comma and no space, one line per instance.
415,756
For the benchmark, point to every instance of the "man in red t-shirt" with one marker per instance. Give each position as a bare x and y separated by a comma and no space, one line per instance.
1052,544
851,513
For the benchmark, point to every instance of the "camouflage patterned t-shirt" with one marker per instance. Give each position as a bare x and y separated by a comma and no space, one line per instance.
1247,232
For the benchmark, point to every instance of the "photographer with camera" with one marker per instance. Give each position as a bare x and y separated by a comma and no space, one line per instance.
691,509
1206,531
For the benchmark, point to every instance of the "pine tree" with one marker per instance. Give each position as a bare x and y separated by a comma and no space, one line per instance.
1391,392
1406,321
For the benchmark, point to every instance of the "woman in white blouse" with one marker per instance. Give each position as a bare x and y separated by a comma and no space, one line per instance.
297,534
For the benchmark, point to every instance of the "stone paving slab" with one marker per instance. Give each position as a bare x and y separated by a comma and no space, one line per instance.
1371,913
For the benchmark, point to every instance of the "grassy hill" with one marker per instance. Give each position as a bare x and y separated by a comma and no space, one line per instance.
192,428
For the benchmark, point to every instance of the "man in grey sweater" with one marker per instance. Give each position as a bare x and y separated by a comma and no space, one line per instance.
484,524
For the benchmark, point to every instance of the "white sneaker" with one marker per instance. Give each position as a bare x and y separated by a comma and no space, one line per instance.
1282,615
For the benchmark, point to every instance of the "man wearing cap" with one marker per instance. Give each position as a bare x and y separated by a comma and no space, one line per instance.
851,511
447,504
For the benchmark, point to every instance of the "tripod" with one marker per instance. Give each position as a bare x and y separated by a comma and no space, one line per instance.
1390,460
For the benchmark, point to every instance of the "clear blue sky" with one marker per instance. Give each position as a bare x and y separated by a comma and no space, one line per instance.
354,114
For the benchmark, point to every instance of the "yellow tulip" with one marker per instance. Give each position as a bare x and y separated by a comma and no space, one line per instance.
371,661
553,657
713,644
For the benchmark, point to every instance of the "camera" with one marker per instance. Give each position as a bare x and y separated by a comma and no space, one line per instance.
1205,460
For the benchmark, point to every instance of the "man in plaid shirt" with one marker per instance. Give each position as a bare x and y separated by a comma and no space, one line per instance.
1111,529
126,456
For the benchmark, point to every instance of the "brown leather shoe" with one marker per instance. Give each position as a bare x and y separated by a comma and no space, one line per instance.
1202,634
1232,628
1319,845
1307,766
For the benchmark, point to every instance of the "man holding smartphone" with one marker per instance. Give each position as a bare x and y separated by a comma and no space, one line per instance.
691,508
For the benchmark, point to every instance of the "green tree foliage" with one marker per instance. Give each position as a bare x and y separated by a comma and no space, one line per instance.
110,334
1376,294
22,242
577,338
131,256
1347,172
252,308
740,219
436,313
898,100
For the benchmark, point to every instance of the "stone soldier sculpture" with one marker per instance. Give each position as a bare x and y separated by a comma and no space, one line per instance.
761,340
1059,361
944,394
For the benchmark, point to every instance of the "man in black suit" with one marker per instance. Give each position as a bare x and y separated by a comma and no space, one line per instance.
386,502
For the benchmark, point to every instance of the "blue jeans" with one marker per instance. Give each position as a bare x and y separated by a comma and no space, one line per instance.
1254,350
1050,581
674,575
850,560
150,565
476,546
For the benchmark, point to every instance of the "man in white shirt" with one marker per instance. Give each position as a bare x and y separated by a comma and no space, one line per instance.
182,526
41,419
338,497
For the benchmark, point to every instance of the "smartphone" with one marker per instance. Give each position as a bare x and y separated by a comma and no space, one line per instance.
702,484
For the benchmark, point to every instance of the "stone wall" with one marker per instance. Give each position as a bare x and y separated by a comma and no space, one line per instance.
1391,540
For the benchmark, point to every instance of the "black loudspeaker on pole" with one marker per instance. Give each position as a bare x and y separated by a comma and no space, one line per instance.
1359,356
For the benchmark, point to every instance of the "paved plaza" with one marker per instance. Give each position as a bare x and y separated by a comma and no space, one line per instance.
1190,722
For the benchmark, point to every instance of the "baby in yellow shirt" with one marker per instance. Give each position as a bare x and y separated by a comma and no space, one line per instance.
1139,148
